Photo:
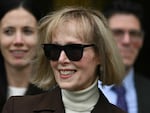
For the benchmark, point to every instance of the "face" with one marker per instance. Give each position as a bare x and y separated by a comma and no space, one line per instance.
73,75
18,37
127,32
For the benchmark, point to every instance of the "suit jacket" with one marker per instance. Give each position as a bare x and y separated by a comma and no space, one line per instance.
142,86
51,102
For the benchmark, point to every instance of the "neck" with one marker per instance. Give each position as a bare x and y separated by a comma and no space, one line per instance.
80,101
18,77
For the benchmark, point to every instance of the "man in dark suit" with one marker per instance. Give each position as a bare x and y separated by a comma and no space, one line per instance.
125,21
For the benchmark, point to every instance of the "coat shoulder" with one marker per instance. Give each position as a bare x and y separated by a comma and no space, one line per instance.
27,104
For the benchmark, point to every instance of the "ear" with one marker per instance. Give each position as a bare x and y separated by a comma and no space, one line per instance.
142,42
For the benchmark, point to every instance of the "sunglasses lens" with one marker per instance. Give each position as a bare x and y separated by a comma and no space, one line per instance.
52,52
74,52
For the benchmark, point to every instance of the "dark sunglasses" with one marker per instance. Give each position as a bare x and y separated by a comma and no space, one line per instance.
73,51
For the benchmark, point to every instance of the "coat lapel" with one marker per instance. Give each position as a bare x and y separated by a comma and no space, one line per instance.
102,105
51,103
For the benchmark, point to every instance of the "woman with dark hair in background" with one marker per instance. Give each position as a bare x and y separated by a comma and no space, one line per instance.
18,42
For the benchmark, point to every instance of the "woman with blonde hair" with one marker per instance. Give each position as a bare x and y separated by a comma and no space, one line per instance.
76,49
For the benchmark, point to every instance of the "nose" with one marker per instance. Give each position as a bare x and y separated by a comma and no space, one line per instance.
18,39
63,57
126,38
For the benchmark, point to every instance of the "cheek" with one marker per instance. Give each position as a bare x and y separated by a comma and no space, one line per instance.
4,45
32,44
32,40
90,61
138,44
87,69
5,41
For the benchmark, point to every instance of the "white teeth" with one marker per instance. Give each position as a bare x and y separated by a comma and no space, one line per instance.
18,51
66,72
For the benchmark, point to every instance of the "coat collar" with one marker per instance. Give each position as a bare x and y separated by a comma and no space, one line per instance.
50,104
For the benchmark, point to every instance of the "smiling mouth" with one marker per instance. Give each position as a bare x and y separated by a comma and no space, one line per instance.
66,72
18,53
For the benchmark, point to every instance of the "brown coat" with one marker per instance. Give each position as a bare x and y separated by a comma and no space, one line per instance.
51,102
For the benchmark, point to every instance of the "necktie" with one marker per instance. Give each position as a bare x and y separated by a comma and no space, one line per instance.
121,101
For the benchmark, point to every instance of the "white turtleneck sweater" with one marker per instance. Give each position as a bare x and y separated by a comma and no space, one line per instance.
82,101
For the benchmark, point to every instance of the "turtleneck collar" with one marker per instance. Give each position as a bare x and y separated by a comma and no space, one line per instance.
81,101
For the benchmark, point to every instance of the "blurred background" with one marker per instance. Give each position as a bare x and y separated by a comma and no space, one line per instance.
143,60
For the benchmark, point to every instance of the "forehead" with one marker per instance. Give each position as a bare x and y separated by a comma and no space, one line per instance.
73,28
127,21
18,16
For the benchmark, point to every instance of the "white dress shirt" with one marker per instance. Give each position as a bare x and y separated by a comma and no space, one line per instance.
131,96
15,91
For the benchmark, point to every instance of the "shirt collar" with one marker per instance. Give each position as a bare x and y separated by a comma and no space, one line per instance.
127,81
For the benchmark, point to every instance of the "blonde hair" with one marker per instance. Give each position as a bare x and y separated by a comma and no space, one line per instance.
95,30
